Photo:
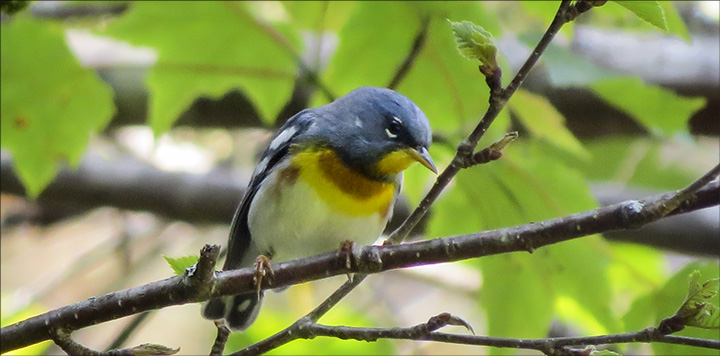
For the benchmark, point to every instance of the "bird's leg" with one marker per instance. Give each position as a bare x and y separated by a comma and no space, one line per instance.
263,269
346,248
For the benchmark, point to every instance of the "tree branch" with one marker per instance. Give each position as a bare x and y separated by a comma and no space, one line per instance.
128,183
179,290
63,339
549,346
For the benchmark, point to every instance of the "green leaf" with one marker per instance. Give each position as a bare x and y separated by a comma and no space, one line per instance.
207,49
659,110
541,118
651,308
698,309
636,269
475,43
50,106
538,15
383,32
181,263
642,312
319,16
675,22
649,11
645,162
515,297
592,350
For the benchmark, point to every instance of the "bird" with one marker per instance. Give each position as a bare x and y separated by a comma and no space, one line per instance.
331,174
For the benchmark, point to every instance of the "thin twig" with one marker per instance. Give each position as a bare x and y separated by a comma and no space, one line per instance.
688,193
415,49
546,345
63,339
490,153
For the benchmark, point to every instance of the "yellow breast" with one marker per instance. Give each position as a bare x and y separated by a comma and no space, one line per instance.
341,187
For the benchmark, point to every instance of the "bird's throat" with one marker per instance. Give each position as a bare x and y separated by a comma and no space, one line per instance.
340,186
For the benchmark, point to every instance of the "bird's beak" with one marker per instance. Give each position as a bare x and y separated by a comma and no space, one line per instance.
421,155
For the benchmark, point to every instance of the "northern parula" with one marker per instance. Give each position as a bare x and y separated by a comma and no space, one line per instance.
331,174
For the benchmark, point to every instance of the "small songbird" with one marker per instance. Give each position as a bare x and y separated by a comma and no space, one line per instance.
331,174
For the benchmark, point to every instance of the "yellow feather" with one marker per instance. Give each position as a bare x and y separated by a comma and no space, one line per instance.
341,187
394,163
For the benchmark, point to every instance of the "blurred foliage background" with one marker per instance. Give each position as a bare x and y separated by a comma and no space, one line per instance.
129,131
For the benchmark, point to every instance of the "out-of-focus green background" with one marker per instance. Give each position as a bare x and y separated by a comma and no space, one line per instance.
147,117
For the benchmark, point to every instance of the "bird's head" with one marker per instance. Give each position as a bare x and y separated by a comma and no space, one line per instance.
378,132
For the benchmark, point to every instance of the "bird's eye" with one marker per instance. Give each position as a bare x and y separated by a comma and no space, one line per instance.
394,127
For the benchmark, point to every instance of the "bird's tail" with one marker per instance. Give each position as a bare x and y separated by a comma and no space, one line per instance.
238,311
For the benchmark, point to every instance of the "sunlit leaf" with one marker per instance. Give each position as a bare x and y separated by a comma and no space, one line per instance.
675,22
516,299
382,33
541,118
50,105
542,13
181,263
319,16
475,43
649,11
207,49
635,270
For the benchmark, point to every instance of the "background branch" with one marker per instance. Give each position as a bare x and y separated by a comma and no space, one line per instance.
415,49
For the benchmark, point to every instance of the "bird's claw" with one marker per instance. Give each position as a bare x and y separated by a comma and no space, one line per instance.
263,268
346,248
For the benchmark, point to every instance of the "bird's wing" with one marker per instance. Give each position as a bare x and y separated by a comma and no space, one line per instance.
276,152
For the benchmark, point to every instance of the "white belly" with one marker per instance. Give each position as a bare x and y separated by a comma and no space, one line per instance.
297,223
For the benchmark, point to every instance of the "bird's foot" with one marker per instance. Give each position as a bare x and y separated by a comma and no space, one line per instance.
346,248
263,268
